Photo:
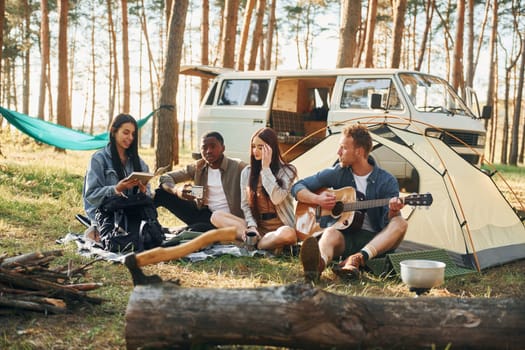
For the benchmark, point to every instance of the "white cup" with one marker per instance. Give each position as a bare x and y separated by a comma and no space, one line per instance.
197,191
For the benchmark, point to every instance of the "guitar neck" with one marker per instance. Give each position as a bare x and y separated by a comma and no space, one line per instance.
372,203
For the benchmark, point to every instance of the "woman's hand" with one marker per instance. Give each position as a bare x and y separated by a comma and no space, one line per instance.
142,187
266,156
251,229
126,184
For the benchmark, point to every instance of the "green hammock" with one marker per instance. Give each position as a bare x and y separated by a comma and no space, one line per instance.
58,135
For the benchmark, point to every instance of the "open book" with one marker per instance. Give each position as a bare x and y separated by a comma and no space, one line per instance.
142,176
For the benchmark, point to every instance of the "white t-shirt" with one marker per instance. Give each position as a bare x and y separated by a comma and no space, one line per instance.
361,183
216,198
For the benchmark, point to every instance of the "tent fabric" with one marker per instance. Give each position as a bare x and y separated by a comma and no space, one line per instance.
58,135
469,216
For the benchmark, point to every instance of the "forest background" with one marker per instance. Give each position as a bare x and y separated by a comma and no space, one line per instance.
79,63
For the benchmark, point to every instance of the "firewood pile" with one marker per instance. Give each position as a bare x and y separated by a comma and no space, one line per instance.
28,284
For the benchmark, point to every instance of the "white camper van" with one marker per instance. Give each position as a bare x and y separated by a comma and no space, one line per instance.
305,106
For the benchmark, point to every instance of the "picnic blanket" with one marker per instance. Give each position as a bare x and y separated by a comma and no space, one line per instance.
91,249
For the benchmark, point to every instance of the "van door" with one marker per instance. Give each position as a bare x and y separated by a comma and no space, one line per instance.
236,108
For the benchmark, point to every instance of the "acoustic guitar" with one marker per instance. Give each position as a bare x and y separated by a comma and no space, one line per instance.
311,219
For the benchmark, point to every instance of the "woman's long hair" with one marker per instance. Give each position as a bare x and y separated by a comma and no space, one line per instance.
132,151
269,136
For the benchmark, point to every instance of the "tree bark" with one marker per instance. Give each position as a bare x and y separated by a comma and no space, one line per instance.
27,58
152,68
250,5
350,10
514,143
44,62
2,16
400,7
125,57
492,81
429,14
269,36
205,43
457,63
63,112
113,64
470,69
370,29
93,72
257,33
301,316
167,152
229,33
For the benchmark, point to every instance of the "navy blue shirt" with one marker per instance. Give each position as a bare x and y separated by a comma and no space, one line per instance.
380,184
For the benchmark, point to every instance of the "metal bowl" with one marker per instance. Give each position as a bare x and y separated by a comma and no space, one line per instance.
422,273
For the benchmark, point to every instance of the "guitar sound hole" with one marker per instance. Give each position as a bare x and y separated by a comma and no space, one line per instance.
338,209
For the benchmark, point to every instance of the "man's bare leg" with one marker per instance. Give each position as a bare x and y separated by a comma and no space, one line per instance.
222,219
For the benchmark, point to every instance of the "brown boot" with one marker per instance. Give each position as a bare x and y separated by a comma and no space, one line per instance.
350,267
310,257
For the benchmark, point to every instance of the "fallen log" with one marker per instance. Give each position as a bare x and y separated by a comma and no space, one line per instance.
302,316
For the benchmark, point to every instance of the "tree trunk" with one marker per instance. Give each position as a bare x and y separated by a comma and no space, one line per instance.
492,79
350,10
469,74
429,13
457,63
257,33
205,43
125,57
113,64
514,143
93,71
44,61
152,68
229,33
301,316
370,29
269,36
400,7
27,58
250,5
2,16
63,112
481,36
167,152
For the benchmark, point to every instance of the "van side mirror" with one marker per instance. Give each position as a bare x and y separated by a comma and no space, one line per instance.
486,112
375,101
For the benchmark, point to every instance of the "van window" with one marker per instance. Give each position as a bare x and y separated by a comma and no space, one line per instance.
243,92
357,93
433,94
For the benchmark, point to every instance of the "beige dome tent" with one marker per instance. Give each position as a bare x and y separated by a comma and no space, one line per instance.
469,216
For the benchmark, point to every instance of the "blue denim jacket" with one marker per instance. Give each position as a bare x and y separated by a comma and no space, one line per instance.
101,179
381,184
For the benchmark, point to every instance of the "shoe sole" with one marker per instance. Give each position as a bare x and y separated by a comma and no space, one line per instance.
348,273
310,257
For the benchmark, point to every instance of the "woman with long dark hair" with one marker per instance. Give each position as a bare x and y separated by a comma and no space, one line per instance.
106,176
265,195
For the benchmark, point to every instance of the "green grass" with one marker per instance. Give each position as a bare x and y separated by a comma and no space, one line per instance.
41,193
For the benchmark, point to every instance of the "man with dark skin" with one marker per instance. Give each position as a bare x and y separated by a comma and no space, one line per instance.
219,177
